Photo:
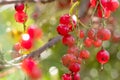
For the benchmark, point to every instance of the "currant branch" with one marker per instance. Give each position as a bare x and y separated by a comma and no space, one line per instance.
4,2
33,54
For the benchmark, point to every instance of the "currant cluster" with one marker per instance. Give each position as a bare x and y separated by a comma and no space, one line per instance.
104,7
26,43
31,34
95,36
20,15
71,59
31,68
92,36
27,39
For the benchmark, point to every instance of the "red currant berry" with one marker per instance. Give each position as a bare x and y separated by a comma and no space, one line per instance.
97,43
38,33
62,29
76,76
81,34
17,46
79,60
19,7
99,12
93,3
103,12
31,69
113,5
73,50
20,17
35,73
74,67
34,32
68,40
104,34
31,31
84,54
71,26
66,77
28,64
104,3
107,13
26,41
68,59
88,42
65,19
91,33
103,56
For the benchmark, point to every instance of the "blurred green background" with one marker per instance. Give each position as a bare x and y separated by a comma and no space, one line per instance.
48,18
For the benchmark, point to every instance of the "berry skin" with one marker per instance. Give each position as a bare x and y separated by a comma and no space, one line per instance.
30,68
81,34
88,42
79,60
91,33
76,76
66,77
103,56
74,67
107,13
113,5
104,34
84,54
34,32
73,50
65,19
68,59
26,41
99,12
17,46
20,17
93,3
19,7
68,21
62,29
97,43
68,40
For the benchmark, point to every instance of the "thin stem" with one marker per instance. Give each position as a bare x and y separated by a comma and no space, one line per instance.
83,25
102,67
102,8
24,24
3,2
93,13
73,7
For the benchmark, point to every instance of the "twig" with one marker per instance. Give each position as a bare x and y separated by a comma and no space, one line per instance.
9,65
46,1
17,1
38,51
43,48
